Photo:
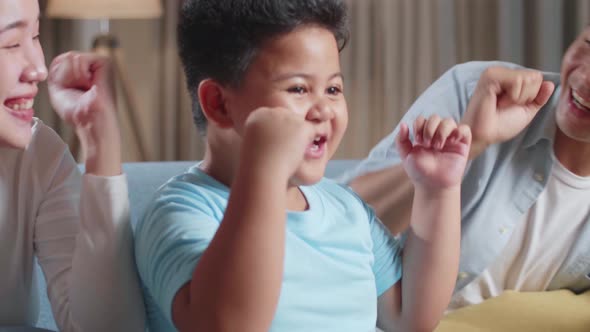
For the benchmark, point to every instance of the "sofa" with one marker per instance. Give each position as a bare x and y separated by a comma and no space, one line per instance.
144,179
543,311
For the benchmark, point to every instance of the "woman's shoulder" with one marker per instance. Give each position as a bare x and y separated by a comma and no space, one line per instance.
47,154
45,135
45,159
45,142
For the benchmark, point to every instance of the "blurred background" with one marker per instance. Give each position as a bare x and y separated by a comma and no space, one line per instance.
397,49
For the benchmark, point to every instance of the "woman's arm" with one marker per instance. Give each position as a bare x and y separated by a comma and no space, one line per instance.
92,280
83,243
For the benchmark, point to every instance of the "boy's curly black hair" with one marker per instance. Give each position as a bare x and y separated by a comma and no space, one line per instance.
219,39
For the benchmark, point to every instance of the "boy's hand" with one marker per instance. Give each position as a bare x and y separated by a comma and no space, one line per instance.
80,87
504,102
437,158
279,138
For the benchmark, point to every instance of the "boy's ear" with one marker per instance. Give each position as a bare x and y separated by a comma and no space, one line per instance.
212,103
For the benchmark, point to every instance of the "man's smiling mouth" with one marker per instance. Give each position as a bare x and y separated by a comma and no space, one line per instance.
580,102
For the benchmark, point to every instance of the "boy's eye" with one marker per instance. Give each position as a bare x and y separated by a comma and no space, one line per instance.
36,37
297,89
334,90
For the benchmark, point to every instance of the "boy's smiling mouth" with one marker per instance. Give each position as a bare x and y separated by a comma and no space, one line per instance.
317,148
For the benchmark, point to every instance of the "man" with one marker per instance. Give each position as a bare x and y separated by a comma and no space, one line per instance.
526,191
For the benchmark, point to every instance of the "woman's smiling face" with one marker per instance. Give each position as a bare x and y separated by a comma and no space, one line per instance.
22,67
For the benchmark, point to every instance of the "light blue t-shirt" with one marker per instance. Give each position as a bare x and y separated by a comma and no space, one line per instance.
339,257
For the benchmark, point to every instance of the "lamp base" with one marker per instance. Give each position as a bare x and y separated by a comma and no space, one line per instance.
107,41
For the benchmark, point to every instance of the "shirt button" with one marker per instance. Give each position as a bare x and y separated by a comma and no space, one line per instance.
503,230
463,275
539,177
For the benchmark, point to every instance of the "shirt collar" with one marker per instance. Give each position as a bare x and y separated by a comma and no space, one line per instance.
543,125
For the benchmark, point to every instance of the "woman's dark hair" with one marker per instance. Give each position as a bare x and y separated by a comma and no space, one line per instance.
219,39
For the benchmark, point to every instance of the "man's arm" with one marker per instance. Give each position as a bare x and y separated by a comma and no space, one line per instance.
389,192
382,181
504,102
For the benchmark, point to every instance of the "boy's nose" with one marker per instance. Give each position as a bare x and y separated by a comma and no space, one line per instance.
320,112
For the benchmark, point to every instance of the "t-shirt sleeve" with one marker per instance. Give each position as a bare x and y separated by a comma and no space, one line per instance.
387,266
169,241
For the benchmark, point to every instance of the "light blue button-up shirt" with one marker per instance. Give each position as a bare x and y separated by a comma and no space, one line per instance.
500,185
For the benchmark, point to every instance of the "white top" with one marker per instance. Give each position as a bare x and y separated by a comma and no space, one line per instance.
78,228
539,245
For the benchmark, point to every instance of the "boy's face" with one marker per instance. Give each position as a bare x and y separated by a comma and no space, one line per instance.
573,110
298,71
21,68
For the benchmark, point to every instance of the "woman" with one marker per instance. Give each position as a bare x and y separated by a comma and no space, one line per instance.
76,225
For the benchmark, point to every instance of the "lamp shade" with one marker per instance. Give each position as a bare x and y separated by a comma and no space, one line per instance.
104,9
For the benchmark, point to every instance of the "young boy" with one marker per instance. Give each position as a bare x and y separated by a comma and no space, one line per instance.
284,249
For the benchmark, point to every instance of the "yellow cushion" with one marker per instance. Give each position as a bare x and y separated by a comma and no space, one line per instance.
559,310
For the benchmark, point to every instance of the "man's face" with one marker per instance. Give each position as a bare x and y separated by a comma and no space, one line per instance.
573,110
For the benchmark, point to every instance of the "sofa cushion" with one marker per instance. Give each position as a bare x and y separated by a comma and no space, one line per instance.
559,310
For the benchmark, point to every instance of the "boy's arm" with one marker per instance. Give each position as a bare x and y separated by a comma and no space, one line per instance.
237,282
435,162
430,262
